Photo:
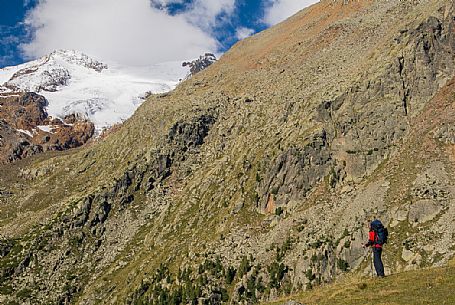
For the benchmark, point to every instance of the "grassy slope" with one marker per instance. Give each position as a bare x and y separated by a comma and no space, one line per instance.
427,286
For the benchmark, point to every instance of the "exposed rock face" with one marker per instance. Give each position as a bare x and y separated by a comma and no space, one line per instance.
197,65
190,135
423,211
297,171
258,176
22,122
446,134
15,145
66,136
363,137
23,111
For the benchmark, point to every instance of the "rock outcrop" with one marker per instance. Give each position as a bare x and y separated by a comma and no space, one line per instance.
197,65
26,129
23,110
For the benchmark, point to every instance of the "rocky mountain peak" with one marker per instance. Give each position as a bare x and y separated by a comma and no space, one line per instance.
77,58
53,71
199,64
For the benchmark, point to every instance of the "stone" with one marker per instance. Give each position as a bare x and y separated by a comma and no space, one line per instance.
423,211
237,208
188,135
292,302
407,255
21,113
446,134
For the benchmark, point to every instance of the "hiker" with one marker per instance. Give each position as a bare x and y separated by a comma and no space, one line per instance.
377,237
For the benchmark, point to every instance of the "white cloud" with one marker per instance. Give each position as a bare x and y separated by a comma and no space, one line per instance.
166,2
202,13
131,32
242,33
279,10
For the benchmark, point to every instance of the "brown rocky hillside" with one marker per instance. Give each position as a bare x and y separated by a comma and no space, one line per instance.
26,129
255,178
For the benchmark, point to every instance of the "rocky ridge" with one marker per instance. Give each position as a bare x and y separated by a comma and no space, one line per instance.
202,63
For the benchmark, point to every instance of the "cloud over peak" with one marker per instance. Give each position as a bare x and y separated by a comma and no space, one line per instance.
131,32
143,32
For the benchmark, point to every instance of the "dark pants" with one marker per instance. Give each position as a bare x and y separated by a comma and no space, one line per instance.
378,261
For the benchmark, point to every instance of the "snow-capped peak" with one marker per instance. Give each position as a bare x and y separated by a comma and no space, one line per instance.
77,58
52,71
73,82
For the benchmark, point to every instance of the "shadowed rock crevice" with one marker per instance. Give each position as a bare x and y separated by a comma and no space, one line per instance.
296,171
186,136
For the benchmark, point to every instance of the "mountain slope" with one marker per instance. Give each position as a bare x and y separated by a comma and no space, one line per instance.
257,176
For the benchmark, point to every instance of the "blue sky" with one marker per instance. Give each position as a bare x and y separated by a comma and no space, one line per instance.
133,32
12,32
247,14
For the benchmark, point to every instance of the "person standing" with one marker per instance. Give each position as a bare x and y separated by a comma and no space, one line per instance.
377,237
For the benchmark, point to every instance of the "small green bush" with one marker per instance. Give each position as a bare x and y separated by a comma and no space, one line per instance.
279,211
342,265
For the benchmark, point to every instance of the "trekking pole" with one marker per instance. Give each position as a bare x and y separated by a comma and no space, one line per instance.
371,262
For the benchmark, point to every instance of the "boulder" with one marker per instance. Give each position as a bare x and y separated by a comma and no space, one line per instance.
423,211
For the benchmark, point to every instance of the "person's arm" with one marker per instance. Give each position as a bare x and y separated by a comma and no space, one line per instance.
370,239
